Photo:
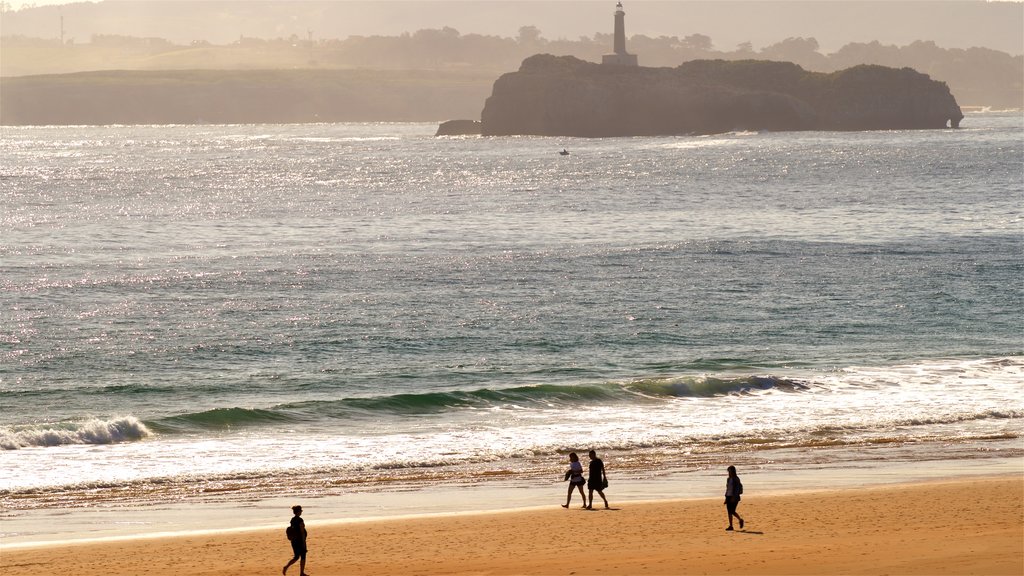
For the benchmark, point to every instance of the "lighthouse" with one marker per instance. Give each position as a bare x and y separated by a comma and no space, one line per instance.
619,57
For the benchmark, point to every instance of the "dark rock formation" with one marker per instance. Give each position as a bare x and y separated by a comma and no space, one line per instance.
459,128
565,96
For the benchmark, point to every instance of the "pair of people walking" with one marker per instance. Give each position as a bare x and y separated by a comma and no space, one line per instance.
596,481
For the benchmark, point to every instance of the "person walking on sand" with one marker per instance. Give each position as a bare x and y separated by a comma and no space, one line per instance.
596,479
733,489
297,536
575,477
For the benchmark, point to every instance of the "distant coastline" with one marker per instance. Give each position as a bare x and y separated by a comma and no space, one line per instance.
241,97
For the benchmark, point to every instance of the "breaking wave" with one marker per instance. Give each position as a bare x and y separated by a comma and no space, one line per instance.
538,397
95,431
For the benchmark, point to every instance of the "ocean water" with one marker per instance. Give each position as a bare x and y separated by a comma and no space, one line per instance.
196,314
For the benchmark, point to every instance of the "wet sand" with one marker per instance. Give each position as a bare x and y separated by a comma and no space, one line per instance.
961,526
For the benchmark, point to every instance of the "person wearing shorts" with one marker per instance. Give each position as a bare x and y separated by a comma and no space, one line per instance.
576,480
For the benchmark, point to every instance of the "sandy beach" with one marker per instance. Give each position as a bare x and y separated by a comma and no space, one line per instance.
961,526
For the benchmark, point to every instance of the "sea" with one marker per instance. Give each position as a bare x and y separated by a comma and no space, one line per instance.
201,325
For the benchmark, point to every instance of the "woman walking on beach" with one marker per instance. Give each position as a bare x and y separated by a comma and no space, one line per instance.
575,477
596,479
297,535
733,489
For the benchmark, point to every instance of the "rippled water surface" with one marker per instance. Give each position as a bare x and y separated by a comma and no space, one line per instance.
267,308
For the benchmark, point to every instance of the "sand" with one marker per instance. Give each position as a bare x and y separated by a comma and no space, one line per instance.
962,526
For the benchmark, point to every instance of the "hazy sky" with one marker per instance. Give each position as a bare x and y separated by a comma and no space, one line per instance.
833,23
18,4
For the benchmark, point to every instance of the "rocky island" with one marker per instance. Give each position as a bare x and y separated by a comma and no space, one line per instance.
565,96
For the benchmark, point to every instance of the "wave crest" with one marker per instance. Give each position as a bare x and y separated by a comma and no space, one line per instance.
221,418
706,386
541,396
95,431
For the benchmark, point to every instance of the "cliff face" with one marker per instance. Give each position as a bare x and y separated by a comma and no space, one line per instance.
565,96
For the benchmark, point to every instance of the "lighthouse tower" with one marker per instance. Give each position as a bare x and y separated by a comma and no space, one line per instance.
619,57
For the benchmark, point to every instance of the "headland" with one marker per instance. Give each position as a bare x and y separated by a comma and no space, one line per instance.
565,96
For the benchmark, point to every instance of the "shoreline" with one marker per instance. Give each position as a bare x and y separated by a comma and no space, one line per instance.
117,522
977,527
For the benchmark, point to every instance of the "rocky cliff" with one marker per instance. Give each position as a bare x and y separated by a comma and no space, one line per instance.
565,96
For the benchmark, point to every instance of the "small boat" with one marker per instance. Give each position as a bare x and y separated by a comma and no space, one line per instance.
564,152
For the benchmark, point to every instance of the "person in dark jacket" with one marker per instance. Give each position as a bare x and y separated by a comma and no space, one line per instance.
733,489
596,479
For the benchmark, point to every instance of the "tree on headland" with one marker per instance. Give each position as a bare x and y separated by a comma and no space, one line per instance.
529,36
744,50
802,51
698,43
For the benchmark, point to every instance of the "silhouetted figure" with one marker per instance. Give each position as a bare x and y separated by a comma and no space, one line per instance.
733,489
596,479
564,152
575,477
297,536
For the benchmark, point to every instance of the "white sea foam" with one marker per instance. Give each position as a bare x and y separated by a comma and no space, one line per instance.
95,431
931,401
